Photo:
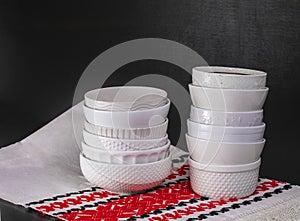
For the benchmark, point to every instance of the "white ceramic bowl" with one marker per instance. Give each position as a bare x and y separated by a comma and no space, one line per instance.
125,178
127,119
125,98
125,156
227,77
109,143
153,132
226,133
224,182
223,153
231,100
235,119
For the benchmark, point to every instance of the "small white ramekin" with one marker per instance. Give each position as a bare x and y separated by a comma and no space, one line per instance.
223,153
224,182
231,100
226,133
228,77
122,178
127,119
109,143
235,119
152,132
125,98
125,156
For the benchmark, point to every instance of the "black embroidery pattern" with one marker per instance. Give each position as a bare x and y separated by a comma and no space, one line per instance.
92,189
181,159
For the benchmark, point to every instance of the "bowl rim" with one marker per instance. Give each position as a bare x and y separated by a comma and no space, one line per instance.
167,158
261,126
89,95
263,141
163,124
208,70
197,109
264,89
224,168
166,105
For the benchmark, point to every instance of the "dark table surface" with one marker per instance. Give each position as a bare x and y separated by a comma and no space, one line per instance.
11,212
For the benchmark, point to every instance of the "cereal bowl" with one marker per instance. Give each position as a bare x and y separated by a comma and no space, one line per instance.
224,153
125,98
232,100
127,119
226,133
124,178
228,77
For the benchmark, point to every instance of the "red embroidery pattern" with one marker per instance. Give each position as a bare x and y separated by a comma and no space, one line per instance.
265,186
138,204
148,202
96,196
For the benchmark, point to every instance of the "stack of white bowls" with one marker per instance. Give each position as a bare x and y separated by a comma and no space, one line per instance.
125,147
225,130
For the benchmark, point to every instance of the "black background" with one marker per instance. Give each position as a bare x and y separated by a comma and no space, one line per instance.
45,47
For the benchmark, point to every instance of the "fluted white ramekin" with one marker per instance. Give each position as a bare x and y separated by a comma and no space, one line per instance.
125,156
109,143
152,132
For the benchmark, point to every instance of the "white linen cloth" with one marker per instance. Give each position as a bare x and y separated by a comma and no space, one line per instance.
45,163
